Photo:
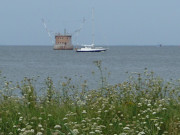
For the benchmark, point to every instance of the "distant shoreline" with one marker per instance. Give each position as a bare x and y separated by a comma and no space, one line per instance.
99,45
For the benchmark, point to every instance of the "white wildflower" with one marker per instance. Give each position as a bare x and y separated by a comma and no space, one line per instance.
126,128
84,112
141,133
98,131
20,118
65,118
57,126
22,130
120,124
83,121
123,134
39,133
49,115
32,130
42,129
98,118
39,125
80,103
75,131
106,111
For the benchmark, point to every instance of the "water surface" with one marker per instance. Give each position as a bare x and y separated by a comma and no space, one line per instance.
17,62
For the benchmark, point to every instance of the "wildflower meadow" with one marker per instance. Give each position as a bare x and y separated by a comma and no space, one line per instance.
144,104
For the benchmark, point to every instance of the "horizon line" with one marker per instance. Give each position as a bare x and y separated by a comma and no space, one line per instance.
97,45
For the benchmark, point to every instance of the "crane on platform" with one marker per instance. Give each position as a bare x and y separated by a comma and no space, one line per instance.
74,33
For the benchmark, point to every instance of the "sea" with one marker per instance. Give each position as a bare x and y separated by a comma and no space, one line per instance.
40,62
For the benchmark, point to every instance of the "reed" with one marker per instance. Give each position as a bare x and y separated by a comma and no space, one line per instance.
145,104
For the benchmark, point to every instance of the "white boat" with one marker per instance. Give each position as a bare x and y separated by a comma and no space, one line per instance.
91,48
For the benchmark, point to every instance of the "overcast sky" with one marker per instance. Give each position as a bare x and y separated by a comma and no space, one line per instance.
116,22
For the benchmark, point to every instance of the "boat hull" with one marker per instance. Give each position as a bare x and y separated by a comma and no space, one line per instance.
90,50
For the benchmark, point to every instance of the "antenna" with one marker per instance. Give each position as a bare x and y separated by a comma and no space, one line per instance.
49,33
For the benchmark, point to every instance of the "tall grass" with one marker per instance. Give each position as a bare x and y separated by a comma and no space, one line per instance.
144,104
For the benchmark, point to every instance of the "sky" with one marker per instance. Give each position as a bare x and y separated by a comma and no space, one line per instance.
116,22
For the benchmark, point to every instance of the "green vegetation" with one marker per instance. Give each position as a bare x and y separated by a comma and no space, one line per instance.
143,105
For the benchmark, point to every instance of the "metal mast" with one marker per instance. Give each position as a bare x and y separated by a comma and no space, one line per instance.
93,26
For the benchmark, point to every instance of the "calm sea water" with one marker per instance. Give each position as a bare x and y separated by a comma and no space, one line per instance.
17,62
